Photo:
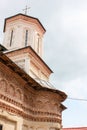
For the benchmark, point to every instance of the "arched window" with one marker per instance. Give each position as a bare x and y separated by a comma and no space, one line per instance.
11,37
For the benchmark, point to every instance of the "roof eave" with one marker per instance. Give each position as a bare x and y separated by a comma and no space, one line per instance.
25,16
5,60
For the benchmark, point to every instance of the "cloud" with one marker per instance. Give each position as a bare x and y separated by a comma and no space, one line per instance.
69,43
76,88
65,44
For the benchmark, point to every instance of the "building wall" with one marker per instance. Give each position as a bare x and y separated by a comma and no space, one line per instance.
10,121
25,104
29,62
23,108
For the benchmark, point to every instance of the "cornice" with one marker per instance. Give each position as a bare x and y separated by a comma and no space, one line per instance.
30,114
26,18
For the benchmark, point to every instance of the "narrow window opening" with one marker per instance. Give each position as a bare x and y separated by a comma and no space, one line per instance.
11,38
0,127
38,44
26,37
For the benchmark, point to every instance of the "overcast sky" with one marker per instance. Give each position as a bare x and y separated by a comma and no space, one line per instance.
65,48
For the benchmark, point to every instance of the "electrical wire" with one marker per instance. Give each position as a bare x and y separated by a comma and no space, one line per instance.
79,99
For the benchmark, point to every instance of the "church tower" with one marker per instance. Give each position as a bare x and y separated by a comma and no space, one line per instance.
23,37
27,100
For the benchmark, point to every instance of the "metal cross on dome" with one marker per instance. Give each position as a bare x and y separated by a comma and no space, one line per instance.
26,9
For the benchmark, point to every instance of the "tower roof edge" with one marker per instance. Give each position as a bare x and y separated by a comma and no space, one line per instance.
27,16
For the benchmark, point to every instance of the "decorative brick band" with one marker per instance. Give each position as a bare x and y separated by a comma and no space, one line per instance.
27,116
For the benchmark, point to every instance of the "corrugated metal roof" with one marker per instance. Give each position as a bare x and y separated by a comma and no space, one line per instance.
75,128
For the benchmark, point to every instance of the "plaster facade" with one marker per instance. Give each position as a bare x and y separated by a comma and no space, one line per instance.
19,24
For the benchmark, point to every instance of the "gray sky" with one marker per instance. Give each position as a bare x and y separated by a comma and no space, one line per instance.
65,44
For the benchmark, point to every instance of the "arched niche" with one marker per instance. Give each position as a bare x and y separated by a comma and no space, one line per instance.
3,85
11,90
18,94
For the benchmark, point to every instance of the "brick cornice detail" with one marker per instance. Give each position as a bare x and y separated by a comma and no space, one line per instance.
29,116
